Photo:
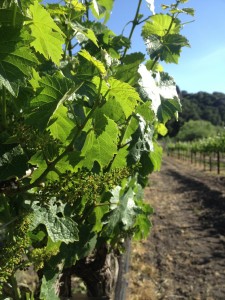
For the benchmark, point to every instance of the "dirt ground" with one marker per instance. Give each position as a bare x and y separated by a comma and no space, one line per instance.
184,256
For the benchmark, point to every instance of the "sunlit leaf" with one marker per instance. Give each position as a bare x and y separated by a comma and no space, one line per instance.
48,38
102,9
97,63
121,92
16,62
87,32
53,91
159,25
61,125
161,129
38,160
156,157
101,142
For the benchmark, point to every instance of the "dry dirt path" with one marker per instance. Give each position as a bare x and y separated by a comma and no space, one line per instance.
184,256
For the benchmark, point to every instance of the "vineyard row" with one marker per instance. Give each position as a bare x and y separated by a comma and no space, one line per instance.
208,153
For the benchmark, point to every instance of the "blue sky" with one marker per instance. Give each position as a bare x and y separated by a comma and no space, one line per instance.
201,67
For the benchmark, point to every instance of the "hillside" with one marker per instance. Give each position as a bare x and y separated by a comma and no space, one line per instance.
200,106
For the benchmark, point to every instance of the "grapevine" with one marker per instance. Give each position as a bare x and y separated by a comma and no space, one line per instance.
80,117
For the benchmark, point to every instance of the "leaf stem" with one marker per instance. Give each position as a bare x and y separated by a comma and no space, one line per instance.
134,24
14,15
4,108
87,9
144,20
173,17
154,62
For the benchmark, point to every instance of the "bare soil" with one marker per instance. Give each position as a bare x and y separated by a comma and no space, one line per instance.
184,256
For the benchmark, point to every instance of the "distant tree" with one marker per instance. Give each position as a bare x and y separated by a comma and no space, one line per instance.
199,106
196,129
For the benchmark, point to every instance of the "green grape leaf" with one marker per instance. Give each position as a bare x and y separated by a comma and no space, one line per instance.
151,65
52,176
48,38
161,129
97,63
54,91
87,32
144,110
113,110
161,34
120,160
39,162
123,216
61,125
13,163
101,142
142,227
189,11
128,71
96,216
156,157
121,92
131,127
159,25
74,251
12,16
171,49
79,7
141,140
11,87
52,247
34,81
70,162
57,9
48,285
102,9
164,6
124,94
91,36
59,228
16,61
147,166
151,161
167,48
87,242
168,109
158,91
62,229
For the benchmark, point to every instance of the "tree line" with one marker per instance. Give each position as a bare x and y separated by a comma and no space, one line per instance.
199,106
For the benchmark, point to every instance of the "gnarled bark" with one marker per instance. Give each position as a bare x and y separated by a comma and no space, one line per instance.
102,272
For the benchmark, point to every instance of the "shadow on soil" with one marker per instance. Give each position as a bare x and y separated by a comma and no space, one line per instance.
211,202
